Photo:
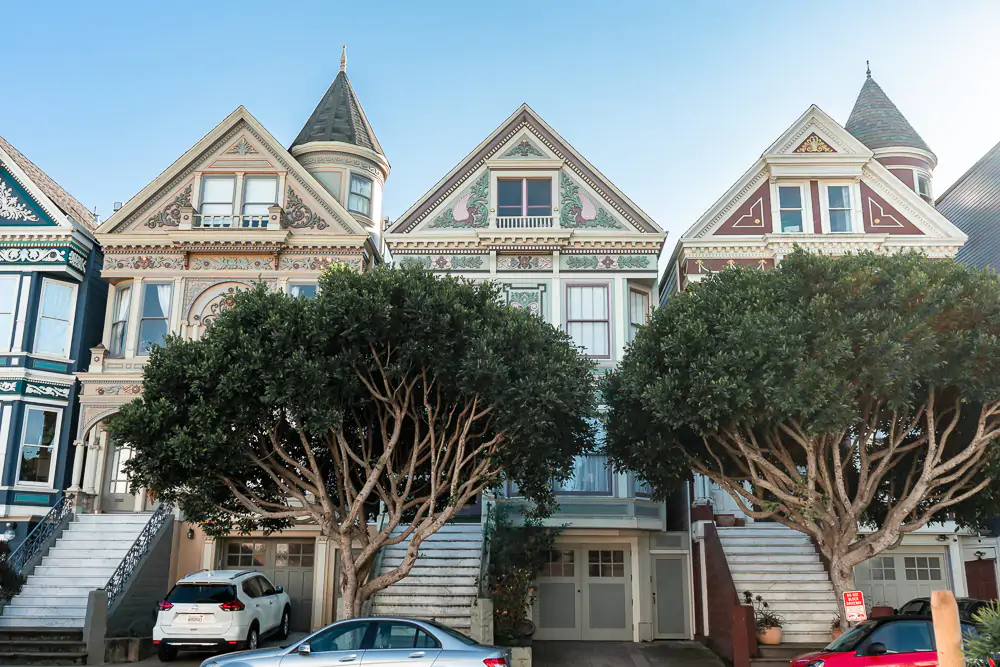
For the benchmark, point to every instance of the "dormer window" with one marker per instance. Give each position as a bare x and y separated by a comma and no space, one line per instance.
839,201
360,199
790,208
217,196
524,197
259,194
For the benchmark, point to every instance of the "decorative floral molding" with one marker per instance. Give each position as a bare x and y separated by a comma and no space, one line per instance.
170,262
524,262
814,144
78,262
579,210
46,390
300,216
608,262
241,147
523,148
8,387
309,160
11,208
195,287
228,262
470,210
526,298
317,262
170,215
117,389
445,262
34,255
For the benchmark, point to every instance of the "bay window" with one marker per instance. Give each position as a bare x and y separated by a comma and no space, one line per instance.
524,197
591,476
38,440
8,310
119,321
790,209
638,311
588,320
360,198
259,194
838,199
55,318
153,324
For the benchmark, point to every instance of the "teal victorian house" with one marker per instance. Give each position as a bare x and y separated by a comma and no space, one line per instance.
52,302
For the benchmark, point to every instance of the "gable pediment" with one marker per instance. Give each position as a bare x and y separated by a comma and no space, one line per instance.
17,207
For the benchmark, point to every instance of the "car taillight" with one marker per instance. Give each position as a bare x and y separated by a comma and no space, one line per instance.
495,662
232,605
163,605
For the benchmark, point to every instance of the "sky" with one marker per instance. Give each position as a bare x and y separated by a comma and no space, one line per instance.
672,101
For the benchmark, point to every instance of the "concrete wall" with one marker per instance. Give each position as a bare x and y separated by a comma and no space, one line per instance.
136,612
186,554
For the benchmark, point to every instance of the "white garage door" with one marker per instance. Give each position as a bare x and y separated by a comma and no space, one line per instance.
898,576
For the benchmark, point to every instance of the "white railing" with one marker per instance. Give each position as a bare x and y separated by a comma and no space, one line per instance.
525,222
256,221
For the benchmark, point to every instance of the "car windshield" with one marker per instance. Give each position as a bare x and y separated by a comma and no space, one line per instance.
202,593
454,634
850,639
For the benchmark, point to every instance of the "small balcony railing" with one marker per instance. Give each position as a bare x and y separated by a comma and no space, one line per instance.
255,221
525,222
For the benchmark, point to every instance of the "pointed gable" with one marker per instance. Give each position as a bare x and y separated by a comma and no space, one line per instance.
21,174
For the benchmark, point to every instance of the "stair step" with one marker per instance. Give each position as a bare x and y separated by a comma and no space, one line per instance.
93,582
769,550
109,534
41,622
42,644
774,557
11,611
73,563
443,579
419,610
40,634
399,552
91,546
405,587
52,571
793,593
391,597
42,658
822,638
767,588
435,563
792,609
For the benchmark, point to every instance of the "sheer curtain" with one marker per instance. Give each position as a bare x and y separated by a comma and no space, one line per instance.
590,475
163,297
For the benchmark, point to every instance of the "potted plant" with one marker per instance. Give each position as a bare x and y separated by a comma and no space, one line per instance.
835,630
768,623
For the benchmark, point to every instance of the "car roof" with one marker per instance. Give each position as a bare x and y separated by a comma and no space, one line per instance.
215,576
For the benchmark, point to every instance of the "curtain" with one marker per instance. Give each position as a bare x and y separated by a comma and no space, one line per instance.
590,475
163,298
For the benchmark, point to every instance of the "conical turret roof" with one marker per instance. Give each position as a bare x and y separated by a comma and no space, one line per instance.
877,123
339,117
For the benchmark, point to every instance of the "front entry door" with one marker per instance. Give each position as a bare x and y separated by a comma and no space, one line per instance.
670,597
117,495
585,592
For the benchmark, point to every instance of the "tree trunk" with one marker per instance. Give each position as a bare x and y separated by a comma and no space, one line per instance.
842,578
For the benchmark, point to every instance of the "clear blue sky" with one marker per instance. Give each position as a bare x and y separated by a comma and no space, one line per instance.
671,100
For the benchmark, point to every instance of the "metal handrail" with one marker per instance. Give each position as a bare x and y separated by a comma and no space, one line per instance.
143,543
41,534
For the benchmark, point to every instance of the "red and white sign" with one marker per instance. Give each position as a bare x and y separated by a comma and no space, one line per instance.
854,606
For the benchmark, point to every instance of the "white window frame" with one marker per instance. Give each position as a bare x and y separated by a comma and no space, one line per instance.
807,218
610,319
7,337
515,174
370,197
855,193
119,288
917,175
524,196
140,318
296,283
54,447
649,309
71,323
232,202
258,177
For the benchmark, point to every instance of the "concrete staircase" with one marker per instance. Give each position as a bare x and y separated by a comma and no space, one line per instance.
81,560
59,646
442,584
783,567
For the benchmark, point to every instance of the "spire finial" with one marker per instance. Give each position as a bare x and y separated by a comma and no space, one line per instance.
869,69
343,59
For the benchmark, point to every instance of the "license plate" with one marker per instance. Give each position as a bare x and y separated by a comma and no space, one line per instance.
196,618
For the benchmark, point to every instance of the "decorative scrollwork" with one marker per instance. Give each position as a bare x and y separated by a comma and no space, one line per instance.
143,543
298,215
42,534
170,216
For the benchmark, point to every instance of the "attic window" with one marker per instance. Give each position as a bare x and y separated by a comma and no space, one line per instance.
790,205
524,197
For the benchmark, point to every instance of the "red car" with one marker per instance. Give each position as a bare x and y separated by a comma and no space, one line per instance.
900,641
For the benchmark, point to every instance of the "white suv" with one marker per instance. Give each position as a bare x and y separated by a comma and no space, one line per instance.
220,609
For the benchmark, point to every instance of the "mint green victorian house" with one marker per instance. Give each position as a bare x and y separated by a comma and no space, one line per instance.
526,209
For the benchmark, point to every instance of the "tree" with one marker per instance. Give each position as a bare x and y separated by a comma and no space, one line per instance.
828,394
392,387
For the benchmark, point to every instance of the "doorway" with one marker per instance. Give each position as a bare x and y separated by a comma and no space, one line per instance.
670,597
116,495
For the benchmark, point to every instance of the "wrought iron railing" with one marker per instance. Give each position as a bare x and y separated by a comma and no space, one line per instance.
143,543
41,535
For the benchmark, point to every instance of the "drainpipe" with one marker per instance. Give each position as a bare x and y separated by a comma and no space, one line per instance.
698,535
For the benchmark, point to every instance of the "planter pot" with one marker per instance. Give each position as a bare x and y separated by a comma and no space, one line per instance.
769,637
836,632
725,520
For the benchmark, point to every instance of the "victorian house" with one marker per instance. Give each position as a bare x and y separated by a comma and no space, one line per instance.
526,209
51,310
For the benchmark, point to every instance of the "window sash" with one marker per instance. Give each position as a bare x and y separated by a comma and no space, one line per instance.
791,216
638,311
218,192
588,320
531,201
304,290
154,324
8,309
36,457
360,198
259,194
119,324
591,476
840,216
54,328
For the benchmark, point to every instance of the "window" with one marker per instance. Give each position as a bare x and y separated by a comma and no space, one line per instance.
638,311
294,554
259,194
524,197
217,196
252,587
924,186
345,637
266,587
606,563
393,635
790,208
55,318
903,636
641,488
360,200
914,608
304,290
559,564
839,200
882,568
202,594
245,554
155,315
591,475
37,446
119,321
922,568
119,481
587,318
330,181
8,309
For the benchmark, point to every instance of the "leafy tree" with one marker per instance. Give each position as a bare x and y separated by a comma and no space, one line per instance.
828,394
392,387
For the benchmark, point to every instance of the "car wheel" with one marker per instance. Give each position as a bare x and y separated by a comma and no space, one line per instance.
253,638
285,623
166,653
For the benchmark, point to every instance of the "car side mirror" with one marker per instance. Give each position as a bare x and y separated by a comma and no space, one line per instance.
876,648
305,649
279,589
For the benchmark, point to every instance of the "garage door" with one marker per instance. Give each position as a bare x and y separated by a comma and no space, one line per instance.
898,576
585,592
287,563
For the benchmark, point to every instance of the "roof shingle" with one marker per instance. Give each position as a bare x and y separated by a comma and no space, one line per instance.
339,117
877,123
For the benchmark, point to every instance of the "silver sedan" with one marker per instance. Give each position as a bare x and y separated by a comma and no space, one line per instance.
374,642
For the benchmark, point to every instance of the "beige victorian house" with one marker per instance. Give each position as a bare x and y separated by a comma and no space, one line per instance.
236,209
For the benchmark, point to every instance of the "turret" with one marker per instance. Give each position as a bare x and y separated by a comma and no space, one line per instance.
878,124
338,146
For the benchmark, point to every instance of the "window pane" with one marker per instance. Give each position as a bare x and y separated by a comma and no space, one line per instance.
540,192
361,186
218,189
347,637
123,300
152,332
791,221
509,194
156,302
52,337
904,636
395,636
57,301
216,209
839,196
840,221
8,293
260,189
790,197
589,302
358,204
36,451
590,475
304,290
591,336
330,181
40,427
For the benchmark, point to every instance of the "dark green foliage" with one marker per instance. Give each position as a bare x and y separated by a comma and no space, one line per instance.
982,647
10,581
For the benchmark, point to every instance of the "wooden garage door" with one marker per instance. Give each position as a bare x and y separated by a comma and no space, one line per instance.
898,576
287,563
